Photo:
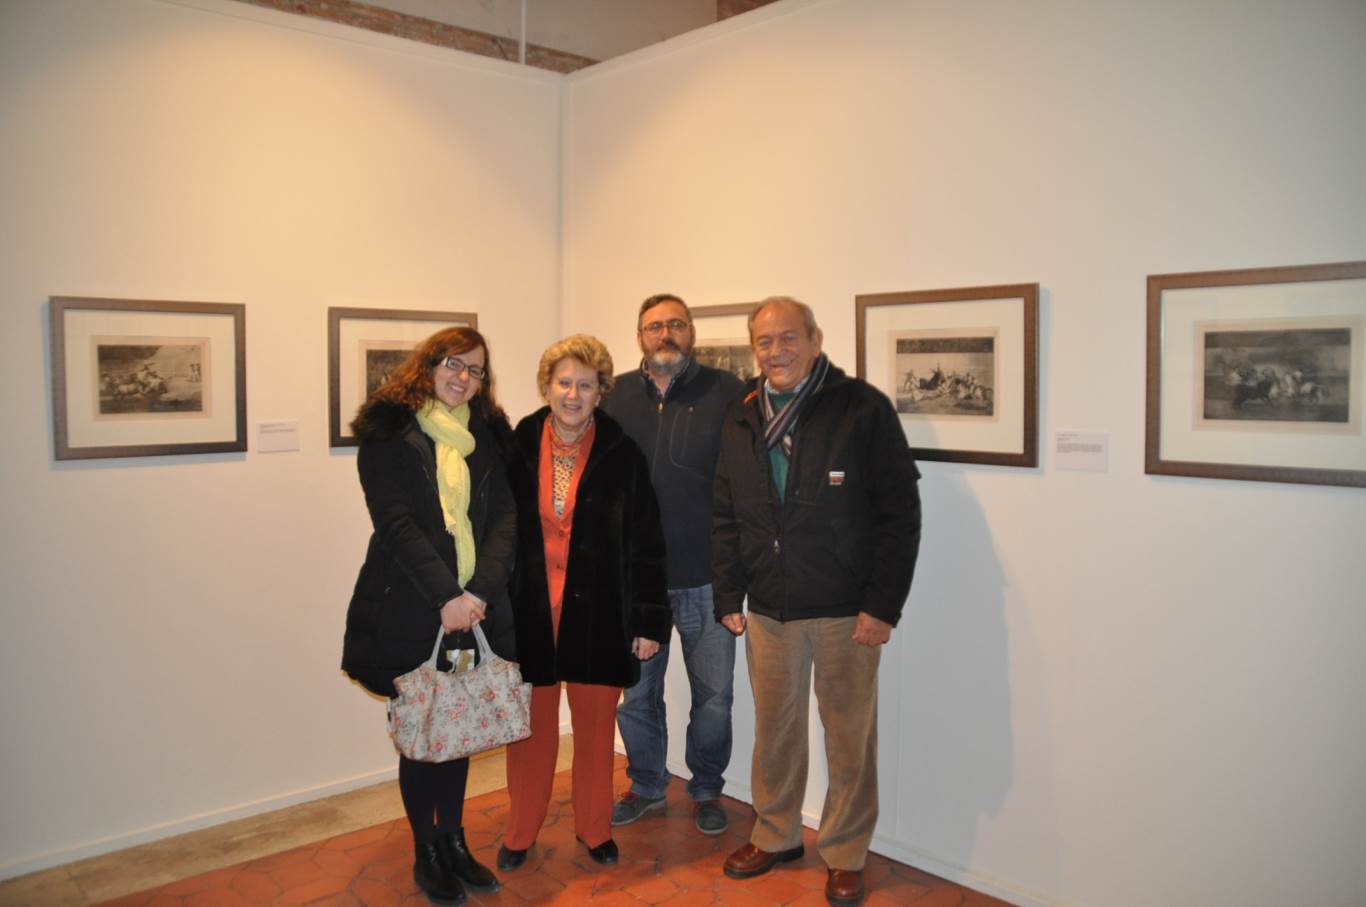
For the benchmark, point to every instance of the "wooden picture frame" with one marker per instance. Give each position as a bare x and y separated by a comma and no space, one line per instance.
961,367
143,378
360,343
722,338
1258,374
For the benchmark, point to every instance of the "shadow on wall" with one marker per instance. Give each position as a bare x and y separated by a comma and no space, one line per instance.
950,696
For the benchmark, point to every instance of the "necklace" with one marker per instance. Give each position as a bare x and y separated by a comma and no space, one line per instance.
563,447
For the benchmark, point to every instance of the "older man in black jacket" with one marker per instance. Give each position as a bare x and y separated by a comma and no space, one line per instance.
816,519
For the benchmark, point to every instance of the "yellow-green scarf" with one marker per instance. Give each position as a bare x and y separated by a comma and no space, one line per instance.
449,428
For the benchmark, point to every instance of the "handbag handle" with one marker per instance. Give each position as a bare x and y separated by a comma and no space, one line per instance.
480,640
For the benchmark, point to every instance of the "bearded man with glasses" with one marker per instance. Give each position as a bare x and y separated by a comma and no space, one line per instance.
672,407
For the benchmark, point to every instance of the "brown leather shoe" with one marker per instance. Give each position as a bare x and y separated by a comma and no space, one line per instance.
844,886
750,861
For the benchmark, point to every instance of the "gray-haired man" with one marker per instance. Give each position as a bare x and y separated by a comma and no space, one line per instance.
817,523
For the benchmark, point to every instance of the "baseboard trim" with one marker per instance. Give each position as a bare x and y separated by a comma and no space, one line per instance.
959,875
899,851
111,843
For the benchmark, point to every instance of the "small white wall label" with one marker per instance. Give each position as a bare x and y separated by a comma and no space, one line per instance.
1088,451
277,437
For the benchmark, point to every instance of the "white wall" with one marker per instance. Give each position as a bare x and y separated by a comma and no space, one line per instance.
1108,689
172,626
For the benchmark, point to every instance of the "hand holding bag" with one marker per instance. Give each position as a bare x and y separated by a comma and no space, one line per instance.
439,716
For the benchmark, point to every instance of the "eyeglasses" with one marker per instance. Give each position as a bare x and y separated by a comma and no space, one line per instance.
658,327
477,372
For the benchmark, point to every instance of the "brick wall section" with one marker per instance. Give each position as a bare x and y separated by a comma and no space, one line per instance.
415,28
727,8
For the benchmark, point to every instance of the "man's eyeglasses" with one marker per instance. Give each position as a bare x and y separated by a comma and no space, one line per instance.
657,327
477,372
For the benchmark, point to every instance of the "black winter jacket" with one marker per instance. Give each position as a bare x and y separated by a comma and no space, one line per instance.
410,569
680,437
614,584
846,538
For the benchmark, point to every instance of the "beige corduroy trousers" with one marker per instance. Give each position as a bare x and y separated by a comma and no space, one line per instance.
782,656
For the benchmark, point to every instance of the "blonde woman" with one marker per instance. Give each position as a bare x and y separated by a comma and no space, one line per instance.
589,597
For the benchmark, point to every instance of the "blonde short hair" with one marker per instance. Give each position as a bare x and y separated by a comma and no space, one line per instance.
586,349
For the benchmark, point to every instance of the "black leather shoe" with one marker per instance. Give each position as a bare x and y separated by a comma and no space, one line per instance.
434,877
605,853
467,869
510,859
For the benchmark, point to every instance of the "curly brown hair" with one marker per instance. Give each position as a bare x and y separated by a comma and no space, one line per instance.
410,385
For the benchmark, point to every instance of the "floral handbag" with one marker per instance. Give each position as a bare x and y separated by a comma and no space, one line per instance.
439,716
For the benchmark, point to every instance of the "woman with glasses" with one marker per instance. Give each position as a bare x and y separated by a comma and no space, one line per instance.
433,444
589,593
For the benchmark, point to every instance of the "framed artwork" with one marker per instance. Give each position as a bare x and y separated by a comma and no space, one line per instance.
364,346
1258,374
723,338
136,378
961,367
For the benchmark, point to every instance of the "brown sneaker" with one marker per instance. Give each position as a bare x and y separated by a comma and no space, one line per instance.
844,887
750,861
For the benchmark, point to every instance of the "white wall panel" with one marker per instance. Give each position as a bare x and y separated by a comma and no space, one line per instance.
1107,689
172,626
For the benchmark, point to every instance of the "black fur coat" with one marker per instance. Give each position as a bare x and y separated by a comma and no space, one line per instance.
410,569
614,586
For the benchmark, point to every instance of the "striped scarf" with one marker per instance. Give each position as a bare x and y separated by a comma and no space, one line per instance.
779,427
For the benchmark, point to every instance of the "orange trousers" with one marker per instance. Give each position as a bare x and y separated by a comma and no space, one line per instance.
531,763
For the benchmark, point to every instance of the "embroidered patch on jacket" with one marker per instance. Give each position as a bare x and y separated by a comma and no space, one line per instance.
836,477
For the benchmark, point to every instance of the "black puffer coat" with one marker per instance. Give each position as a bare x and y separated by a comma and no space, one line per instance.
614,585
846,538
410,568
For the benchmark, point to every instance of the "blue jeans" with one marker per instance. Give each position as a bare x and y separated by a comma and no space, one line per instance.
709,655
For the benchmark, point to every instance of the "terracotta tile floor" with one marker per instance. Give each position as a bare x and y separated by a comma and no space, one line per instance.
664,860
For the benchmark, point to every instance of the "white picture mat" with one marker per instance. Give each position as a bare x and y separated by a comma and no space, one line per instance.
1004,434
1184,308
81,326
350,334
713,328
